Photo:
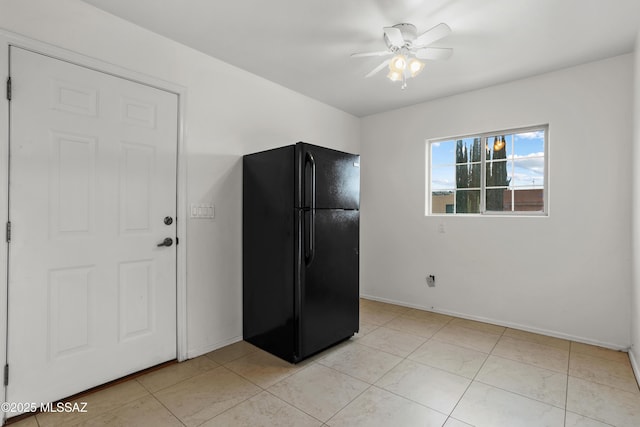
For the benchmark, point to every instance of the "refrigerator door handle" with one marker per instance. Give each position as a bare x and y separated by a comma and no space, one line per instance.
310,240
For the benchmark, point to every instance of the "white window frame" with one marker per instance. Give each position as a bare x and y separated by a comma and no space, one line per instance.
484,136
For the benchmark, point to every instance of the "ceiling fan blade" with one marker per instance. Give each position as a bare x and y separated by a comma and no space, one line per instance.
434,53
432,35
394,35
363,54
378,68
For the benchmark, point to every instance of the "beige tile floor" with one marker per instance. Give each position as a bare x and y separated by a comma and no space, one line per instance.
406,367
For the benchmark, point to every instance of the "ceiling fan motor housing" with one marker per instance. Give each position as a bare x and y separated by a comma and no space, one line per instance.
409,33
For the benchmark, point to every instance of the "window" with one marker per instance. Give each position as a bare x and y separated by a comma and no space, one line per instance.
493,173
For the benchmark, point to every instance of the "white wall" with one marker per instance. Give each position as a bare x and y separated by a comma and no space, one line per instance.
634,353
568,274
228,113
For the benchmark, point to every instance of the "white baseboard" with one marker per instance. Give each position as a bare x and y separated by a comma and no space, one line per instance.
634,364
551,333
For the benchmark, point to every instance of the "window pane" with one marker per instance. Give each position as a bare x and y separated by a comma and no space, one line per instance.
528,160
499,146
443,178
475,174
469,150
468,201
515,172
528,200
497,174
442,202
468,159
443,153
498,200
513,166
528,172
528,143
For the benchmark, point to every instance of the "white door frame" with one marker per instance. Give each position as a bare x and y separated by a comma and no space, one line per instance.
11,39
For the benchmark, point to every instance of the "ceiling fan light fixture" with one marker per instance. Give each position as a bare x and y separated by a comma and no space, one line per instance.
398,63
415,66
395,76
407,50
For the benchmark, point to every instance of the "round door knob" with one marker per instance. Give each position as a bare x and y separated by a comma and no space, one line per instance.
166,242
168,220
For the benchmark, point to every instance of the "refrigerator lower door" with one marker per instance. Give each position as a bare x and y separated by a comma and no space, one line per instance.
328,285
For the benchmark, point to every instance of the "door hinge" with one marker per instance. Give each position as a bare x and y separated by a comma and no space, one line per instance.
6,374
8,231
9,88
177,241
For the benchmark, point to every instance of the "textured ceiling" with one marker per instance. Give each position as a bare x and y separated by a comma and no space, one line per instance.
306,45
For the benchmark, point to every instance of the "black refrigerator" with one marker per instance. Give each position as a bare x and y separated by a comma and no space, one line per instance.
300,252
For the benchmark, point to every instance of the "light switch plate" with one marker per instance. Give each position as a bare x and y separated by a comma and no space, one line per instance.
202,210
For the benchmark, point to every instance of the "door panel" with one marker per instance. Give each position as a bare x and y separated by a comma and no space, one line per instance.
136,185
137,298
70,296
330,282
93,174
72,184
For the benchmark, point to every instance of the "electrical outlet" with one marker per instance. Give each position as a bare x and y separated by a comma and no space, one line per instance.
431,281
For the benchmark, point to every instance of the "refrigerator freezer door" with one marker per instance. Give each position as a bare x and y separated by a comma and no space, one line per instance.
329,282
329,179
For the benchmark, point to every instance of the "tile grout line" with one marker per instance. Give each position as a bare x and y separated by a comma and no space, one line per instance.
350,402
474,379
615,362
409,399
532,365
520,394
266,389
406,358
402,359
528,363
360,379
168,410
520,339
294,406
565,372
207,371
476,375
591,380
316,362
369,385
566,398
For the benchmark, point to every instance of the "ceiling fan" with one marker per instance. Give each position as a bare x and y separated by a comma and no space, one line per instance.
408,48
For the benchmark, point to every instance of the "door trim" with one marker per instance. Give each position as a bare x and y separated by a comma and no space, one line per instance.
11,39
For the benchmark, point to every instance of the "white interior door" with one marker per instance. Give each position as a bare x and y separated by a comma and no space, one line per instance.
92,179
